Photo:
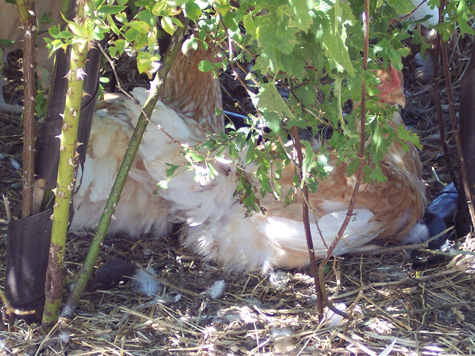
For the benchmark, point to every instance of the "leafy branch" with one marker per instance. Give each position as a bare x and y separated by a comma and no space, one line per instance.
306,67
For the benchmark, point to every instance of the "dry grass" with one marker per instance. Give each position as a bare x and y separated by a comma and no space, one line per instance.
391,305
424,312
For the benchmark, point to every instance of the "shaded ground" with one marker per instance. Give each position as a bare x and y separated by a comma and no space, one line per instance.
429,312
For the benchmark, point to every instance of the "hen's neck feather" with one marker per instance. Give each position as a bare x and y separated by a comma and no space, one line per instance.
193,93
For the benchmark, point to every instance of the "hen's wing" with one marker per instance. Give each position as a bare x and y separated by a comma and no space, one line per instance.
139,210
218,227
191,97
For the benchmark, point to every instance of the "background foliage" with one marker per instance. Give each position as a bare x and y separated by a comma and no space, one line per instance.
300,61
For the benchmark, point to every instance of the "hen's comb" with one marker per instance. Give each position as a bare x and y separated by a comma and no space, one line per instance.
392,86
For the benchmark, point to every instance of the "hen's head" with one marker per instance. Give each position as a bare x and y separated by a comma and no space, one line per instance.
391,86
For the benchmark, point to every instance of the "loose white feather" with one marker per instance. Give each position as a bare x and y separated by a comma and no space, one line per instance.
217,289
145,282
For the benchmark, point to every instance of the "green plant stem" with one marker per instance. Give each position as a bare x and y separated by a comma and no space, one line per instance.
25,8
306,223
359,173
121,178
65,180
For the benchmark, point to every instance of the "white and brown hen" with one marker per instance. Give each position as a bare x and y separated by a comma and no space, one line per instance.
218,227
189,93
215,223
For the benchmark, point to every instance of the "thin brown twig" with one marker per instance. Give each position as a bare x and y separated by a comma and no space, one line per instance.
455,129
306,222
8,211
437,92
28,19
361,155
413,11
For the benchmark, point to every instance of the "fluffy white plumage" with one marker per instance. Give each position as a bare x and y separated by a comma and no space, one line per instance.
140,210
215,224
424,11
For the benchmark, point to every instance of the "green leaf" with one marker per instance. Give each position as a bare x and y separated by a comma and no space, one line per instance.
110,9
80,31
112,25
167,25
192,10
120,45
230,21
301,12
131,35
147,17
408,136
139,26
54,31
122,17
269,99
336,49
465,27
306,94
205,66
176,3
212,170
145,63
249,24
65,34
402,6
159,9
353,167
171,170
177,22
195,156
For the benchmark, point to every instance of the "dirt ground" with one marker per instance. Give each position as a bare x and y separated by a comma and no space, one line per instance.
392,306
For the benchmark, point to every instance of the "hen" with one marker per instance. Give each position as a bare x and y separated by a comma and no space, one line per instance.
11,30
192,96
217,226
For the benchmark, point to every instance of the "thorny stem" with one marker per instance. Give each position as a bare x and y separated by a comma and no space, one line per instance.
453,119
120,180
65,178
28,20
